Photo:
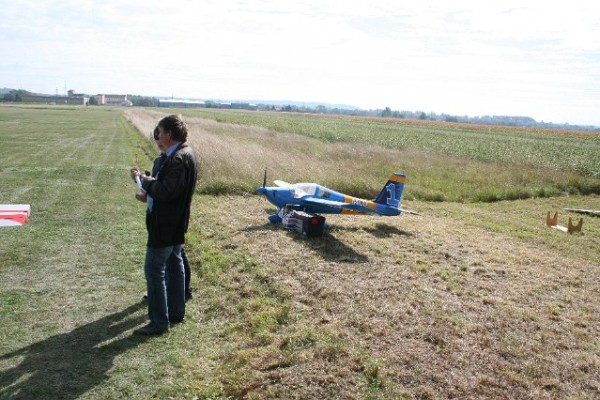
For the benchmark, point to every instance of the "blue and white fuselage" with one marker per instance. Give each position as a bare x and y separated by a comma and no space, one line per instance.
316,199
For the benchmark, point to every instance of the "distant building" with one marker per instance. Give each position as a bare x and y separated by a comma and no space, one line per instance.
113,100
40,99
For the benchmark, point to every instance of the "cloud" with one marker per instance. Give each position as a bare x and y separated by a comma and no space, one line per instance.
456,57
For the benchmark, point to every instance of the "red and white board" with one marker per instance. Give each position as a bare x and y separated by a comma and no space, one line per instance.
14,214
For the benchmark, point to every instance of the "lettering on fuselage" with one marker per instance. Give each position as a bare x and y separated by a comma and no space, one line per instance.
360,202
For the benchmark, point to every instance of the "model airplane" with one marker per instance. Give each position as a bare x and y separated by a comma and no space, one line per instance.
14,214
316,199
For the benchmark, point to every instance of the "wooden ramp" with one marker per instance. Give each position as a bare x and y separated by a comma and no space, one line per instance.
570,228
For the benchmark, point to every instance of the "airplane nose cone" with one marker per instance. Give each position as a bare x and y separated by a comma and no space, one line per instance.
261,190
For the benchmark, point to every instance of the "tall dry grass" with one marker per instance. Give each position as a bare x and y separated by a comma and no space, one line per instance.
233,158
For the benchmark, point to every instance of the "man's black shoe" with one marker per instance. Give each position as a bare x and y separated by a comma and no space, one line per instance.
175,320
150,330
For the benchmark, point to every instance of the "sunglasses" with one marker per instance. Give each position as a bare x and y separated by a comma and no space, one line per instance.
156,133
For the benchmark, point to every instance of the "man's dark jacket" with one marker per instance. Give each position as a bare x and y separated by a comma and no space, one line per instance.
172,193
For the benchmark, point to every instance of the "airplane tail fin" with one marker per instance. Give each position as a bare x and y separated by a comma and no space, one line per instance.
391,194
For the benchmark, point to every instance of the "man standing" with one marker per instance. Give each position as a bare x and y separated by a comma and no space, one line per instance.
169,196
142,196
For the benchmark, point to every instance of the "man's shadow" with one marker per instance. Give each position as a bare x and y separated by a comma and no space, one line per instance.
67,365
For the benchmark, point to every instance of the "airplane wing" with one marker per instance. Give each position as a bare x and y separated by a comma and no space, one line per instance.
323,202
14,214
281,183
410,212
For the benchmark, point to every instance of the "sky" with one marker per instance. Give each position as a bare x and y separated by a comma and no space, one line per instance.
512,57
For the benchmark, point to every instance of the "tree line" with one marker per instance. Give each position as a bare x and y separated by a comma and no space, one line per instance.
16,95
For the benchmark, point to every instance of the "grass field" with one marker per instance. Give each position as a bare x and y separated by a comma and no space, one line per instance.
471,300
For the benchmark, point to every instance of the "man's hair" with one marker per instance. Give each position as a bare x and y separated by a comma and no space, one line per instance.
176,125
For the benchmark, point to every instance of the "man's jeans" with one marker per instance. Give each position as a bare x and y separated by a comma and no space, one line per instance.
165,282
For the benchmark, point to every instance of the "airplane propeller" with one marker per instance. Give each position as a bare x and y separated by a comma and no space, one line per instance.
262,189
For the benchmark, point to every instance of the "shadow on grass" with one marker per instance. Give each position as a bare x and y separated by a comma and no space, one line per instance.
384,230
328,246
67,365
380,230
331,248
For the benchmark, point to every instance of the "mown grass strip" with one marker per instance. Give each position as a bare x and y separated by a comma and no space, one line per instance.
71,279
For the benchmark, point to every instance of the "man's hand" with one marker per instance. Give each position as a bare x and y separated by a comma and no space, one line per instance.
141,196
135,171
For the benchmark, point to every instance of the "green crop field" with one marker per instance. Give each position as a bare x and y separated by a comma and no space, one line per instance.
476,298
